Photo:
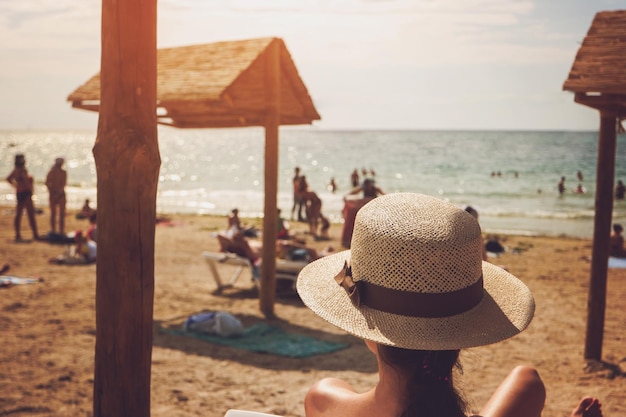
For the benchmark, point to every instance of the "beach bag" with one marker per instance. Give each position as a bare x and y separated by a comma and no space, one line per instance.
218,323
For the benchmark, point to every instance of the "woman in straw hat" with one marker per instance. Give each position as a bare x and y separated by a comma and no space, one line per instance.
415,288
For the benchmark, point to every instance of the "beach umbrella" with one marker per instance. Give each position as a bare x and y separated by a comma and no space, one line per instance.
227,84
598,79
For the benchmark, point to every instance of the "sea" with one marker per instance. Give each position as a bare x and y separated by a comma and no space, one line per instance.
510,177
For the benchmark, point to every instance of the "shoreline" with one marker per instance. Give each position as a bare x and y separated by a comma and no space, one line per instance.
485,221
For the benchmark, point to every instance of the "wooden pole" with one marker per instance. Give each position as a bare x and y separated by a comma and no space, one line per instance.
127,165
270,218
596,301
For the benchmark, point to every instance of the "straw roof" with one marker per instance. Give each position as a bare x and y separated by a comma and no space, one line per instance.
598,74
219,84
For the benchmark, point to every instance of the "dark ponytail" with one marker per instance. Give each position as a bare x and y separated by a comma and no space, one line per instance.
430,391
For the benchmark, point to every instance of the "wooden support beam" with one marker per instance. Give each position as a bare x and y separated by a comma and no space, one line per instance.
270,219
127,164
596,300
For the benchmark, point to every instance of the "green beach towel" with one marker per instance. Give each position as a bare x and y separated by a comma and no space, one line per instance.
265,338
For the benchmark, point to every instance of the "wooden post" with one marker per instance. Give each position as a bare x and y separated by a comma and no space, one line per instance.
270,219
127,165
596,301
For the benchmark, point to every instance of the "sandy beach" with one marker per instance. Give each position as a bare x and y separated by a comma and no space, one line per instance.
48,331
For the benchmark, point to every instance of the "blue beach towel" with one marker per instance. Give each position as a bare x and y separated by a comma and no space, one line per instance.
265,338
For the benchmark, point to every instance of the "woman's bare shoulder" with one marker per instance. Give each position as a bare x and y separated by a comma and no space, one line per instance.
326,396
332,387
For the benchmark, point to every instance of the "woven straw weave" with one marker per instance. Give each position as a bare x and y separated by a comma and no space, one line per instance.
417,244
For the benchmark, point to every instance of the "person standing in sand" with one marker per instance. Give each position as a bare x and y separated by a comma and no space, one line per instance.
56,180
313,209
298,188
415,288
23,183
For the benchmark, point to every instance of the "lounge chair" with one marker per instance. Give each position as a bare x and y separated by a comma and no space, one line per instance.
285,269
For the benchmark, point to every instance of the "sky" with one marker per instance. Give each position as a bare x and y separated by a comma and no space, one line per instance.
368,64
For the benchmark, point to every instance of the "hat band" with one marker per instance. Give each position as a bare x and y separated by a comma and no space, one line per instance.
405,303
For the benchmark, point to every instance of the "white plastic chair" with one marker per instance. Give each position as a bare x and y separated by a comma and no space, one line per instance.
245,413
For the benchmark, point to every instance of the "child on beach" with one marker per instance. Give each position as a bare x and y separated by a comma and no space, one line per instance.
415,288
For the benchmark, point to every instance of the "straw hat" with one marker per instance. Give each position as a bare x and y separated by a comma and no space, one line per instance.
414,278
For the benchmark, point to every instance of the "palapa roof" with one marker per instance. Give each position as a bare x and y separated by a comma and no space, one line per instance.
598,74
218,84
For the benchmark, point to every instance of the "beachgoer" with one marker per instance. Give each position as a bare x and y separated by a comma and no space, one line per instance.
282,226
332,185
298,203
239,245
354,178
620,190
415,288
92,230
56,180
471,210
86,211
313,210
303,189
561,185
579,175
324,226
23,183
234,223
299,251
616,245
236,226
83,251
369,189
580,189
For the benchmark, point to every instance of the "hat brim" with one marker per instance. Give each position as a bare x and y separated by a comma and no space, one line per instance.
506,308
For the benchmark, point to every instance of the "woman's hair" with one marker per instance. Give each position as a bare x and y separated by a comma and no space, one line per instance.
430,390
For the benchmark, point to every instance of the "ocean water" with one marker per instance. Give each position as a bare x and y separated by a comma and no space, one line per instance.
211,171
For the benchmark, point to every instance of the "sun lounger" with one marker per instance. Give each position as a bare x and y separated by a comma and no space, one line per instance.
226,258
285,269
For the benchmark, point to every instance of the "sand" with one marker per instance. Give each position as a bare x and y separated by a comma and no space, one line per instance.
48,332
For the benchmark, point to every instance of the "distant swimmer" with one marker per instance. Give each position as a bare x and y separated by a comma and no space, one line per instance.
580,189
561,185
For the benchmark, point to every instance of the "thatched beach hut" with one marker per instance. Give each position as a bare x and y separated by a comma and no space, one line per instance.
221,84
598,79
226,84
